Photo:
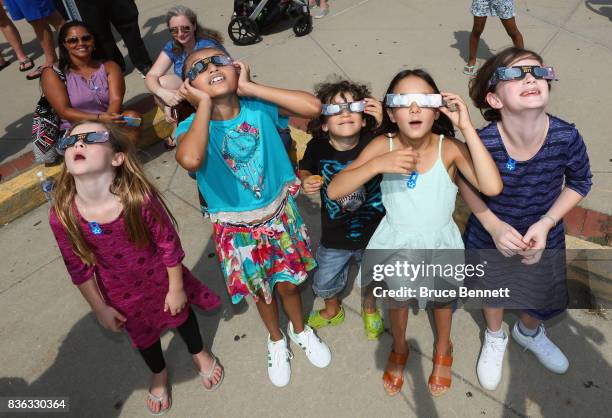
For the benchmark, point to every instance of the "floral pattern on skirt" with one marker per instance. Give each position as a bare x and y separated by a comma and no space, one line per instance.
255,258
504,9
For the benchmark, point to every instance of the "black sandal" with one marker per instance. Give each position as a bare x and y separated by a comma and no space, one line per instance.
36,74
26,65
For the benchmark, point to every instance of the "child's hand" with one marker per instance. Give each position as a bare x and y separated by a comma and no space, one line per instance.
111,319
535,240
507,239
175,301
374,108
459,116
244,79
403,161
194,96
312,184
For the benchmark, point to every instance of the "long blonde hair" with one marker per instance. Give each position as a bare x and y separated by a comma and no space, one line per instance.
130,185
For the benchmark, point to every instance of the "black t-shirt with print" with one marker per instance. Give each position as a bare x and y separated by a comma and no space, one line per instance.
349,222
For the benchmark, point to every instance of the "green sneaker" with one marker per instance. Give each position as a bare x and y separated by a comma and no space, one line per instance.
316,321
372,324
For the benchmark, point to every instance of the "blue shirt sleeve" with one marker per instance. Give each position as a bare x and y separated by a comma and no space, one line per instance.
168,51
578,171
183,127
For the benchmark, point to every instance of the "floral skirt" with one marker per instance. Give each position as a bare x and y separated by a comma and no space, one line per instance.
254,258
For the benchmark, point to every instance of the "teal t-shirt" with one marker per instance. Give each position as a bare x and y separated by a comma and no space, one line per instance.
247,165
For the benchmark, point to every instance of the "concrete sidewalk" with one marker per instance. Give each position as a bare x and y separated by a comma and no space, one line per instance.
51,344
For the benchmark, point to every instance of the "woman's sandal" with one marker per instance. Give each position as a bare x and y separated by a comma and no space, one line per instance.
208,376
160,399
26,65
393,384
440,360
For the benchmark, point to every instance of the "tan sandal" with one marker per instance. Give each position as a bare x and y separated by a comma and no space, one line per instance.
440,360
393,384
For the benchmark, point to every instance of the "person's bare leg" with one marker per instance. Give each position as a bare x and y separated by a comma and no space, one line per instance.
493,317
513,31
399,320
269,315
12,35
369,300
45,37
477,29
529,321
292,302
56,20
444,319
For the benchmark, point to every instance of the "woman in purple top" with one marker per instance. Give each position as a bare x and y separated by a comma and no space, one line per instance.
187,36
94,87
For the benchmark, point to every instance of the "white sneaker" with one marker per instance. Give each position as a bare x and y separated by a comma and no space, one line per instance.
279,368
489,368
316,350
545,350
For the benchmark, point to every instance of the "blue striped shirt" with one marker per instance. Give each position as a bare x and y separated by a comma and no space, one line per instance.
534,185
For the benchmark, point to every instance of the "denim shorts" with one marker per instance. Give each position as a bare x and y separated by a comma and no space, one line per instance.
332,271
29,10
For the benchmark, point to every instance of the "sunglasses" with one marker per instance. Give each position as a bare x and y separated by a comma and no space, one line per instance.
421,100
200,66
336,108
519,73
176,29
73,40
87,137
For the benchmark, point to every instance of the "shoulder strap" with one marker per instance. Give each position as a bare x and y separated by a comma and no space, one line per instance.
440,146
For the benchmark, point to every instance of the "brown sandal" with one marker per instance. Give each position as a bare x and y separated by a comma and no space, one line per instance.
395,382
440,360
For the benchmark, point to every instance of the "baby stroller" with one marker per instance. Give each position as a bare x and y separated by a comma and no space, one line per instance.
251,18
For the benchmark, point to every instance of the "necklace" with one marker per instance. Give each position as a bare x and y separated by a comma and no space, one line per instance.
95,228
510,164
411,183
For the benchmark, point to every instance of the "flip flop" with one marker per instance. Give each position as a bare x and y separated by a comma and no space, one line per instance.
26,65
37,73
470,70
160,400
208,376
6,64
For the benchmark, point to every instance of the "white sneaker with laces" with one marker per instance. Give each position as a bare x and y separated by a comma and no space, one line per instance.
316,350
489,368
279,368
545,350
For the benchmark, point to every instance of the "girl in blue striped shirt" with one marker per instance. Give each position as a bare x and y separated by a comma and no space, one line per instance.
545,169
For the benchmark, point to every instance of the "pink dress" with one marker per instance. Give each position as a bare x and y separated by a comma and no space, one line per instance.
132,279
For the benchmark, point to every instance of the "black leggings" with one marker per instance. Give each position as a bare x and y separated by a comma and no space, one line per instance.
189,332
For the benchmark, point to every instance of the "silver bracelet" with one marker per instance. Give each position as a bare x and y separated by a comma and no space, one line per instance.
551,219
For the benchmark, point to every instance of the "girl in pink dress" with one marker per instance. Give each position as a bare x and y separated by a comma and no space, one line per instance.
122,251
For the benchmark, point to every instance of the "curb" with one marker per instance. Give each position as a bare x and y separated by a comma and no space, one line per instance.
23,193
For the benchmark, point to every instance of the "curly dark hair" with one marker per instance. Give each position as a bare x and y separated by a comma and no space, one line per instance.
479,85
441,126
327,90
